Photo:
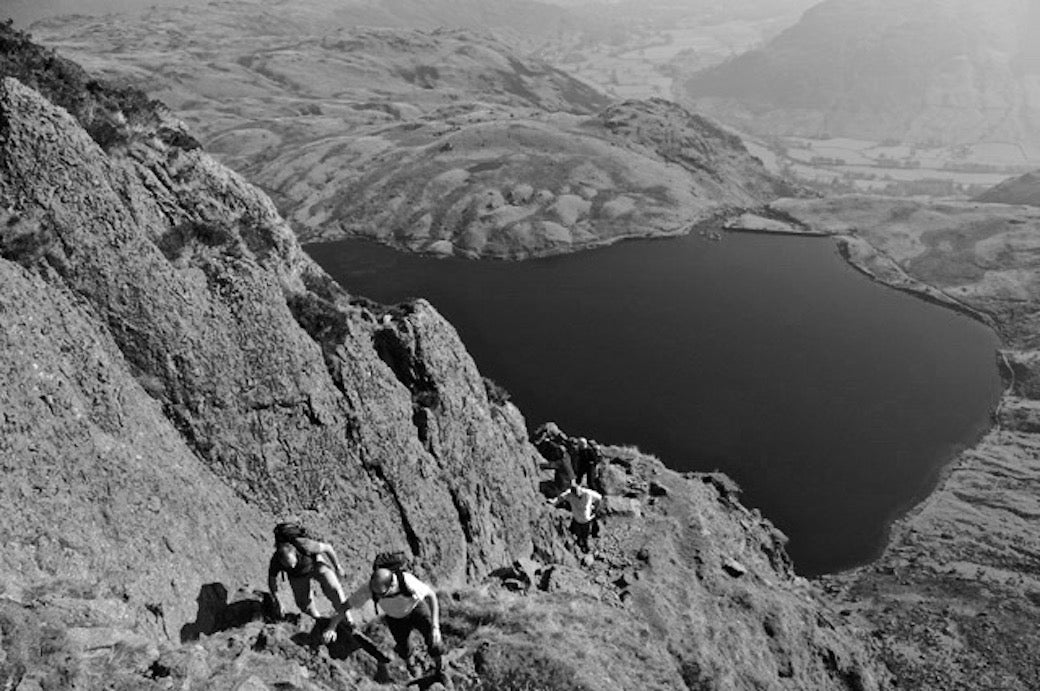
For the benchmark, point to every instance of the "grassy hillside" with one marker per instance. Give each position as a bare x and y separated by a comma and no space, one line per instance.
445,141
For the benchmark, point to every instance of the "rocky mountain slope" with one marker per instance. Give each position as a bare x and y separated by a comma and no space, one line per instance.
1023,190
436,141
178,374
954,599
927,72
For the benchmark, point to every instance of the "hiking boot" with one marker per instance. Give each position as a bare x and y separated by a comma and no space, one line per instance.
415,667
444,680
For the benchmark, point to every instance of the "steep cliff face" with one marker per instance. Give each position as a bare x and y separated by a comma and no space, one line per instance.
203,290
93,471
178,374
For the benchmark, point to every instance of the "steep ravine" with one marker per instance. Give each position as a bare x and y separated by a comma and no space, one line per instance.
178,374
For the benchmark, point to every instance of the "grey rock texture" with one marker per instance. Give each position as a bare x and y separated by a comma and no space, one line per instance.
201,290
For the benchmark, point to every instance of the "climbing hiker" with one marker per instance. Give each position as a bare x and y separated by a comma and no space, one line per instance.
584,505
597,468
304,559
407,604
587,467
551,443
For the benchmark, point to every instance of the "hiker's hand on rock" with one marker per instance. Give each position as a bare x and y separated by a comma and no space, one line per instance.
329,636
437,640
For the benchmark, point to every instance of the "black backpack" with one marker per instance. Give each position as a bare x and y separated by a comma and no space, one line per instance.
291,532
396,562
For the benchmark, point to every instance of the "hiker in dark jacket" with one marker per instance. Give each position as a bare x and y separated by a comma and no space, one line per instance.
551,443
408,604
587,468
303,560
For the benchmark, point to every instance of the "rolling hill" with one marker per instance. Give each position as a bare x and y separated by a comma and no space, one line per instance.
445,141
1024,189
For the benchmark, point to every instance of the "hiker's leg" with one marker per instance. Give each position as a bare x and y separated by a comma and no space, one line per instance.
400,629
580,470
568,470
581,532
594,527
301,589
330,587
423,621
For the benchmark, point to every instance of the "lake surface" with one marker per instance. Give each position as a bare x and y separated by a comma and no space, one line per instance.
833,401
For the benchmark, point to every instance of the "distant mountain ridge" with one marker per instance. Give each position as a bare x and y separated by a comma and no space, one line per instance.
925,71
1024,189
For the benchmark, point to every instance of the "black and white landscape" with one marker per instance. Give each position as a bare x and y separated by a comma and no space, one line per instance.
337,260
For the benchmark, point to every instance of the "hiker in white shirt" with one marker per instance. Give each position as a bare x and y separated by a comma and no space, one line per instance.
408,604
584,505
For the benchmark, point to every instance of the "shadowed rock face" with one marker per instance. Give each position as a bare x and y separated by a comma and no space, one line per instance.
178,374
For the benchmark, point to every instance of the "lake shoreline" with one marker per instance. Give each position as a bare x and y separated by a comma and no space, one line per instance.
961,562
378,266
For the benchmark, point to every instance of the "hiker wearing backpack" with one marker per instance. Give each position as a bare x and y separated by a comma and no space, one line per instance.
584,505
551,443
407,604
304,560
588,464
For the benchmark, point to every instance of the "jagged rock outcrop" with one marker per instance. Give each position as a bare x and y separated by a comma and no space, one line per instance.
178,373
703,575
